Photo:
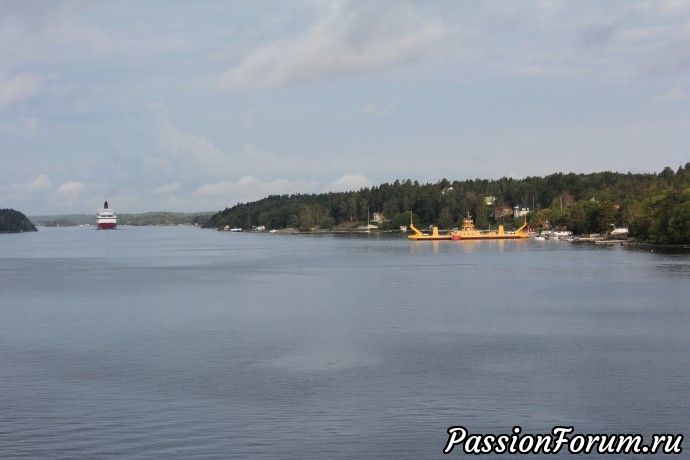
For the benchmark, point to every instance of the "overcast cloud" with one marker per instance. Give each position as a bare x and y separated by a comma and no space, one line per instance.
196,106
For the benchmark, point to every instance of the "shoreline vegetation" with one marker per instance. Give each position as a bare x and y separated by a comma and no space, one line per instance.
654,207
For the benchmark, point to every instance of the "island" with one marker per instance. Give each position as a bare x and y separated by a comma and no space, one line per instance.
12,221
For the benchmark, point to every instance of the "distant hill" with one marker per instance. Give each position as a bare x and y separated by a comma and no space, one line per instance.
148,218
12,221
69,220
164,218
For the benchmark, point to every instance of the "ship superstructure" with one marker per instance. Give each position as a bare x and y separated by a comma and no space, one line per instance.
106,219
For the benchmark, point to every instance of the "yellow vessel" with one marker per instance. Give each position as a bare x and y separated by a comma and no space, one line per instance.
419,235
470,232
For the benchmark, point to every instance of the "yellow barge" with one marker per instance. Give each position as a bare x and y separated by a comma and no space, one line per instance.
470,232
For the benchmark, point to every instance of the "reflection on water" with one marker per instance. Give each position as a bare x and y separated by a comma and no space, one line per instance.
186,343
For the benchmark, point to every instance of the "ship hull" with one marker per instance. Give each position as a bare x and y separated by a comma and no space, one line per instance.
488,237
619,234
429,238
107,226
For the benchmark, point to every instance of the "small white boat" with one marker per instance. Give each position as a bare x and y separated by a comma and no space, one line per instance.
562,235
619,233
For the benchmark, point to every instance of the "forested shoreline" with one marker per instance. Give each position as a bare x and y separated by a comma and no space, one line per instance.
654,206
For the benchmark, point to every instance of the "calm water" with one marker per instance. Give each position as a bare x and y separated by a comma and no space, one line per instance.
188,343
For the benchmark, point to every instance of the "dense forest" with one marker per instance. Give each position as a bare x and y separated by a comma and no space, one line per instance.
655,207
12,221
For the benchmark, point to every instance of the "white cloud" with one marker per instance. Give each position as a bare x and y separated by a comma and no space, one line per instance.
21,124
348,182
190,158
220,188
351,38
635,36
672,57
167,188
70,187
373,109
41,183
66,31
248,189
155,167
253,159
150,148
192,149
674,6
17,194
68,197
18,87
674,95
597,33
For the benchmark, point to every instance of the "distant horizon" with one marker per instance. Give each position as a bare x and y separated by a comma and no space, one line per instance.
346,191
119,213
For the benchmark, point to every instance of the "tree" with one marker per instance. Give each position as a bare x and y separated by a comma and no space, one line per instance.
482,220
400,219
577,218
446,219
606,217
349,207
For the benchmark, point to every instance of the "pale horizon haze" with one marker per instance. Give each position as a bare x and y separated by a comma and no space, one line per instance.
197,106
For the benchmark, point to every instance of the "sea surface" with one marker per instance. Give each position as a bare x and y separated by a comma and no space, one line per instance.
183,343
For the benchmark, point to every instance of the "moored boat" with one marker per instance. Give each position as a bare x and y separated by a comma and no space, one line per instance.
619,233
470,232
106,219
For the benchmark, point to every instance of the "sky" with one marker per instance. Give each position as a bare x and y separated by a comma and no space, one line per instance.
197,106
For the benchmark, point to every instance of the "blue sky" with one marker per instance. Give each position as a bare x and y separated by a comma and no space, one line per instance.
196,106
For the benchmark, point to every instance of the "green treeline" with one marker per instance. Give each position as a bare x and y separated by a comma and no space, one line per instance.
655,207
149,218
163,218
